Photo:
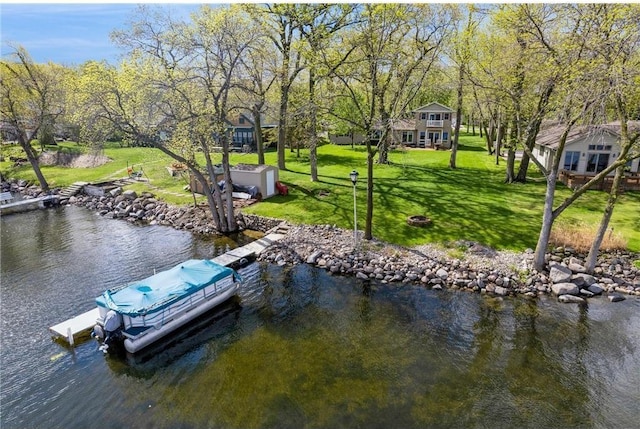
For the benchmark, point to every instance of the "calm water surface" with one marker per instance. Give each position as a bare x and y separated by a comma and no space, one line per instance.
298,348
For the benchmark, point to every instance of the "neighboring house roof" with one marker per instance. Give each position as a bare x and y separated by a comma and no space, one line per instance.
632,126
550,136
235,121
434,107
403,124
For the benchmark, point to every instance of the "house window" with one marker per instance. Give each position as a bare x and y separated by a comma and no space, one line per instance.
597,162
445,135
571,159
241,120
407,137
600,147
243,137
423,116
446,118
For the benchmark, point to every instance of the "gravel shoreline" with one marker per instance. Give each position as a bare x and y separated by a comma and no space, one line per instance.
468,266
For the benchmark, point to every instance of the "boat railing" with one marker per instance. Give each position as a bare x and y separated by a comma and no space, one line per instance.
177,308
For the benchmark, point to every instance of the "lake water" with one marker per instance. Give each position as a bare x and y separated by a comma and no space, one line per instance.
298,347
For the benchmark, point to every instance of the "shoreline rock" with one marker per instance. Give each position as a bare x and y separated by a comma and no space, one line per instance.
481,269
488,272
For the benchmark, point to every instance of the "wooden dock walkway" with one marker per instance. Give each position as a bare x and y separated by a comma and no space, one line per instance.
72,329
28,204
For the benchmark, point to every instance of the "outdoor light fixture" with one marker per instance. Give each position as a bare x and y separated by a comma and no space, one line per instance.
354,179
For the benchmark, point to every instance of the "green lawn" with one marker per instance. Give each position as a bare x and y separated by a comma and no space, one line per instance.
470,203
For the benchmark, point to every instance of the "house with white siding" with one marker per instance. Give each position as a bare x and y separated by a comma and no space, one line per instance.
588,150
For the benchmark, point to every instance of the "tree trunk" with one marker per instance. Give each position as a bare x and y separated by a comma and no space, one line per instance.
368,235
282,124
547,223
498,143
590,263
383,145
473,125
258,132
33,160
313,134
511,162
232,224
213,201
533,128
625,146
216,193
454,144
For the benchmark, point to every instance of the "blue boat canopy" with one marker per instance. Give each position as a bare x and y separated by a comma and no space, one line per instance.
162,289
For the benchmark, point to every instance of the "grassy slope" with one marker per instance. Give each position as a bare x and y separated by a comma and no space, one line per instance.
470,203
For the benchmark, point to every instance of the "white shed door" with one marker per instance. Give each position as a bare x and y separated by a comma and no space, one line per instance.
271,183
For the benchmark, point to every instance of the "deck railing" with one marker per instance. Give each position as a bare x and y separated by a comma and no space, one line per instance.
630,182
435,123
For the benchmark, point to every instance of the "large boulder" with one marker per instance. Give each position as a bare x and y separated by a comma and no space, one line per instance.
570,299
560,274
587,279
565,289
616,297
130,194
595,289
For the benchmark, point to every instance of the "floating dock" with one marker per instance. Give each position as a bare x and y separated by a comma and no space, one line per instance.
28,204
75,327
78,326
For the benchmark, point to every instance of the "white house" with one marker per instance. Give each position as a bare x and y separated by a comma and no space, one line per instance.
589,149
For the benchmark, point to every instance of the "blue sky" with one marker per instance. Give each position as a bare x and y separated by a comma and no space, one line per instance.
69,34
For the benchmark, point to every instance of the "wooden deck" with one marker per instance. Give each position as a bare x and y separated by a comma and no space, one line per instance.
630,182
76,327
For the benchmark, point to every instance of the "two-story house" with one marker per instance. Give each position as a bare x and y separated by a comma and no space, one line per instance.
430,126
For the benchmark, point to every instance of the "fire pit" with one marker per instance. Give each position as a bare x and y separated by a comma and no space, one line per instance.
418,220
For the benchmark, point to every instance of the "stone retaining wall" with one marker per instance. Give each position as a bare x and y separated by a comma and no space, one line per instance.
480,269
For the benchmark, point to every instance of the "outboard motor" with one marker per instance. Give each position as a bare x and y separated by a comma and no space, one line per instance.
98,333
112,329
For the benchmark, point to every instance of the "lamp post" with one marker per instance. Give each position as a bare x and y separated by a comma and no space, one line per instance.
354,179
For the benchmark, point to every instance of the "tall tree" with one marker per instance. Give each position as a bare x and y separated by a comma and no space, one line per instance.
283,28
614,42
32,100
519,84
461,55
186,74
256,85
319,24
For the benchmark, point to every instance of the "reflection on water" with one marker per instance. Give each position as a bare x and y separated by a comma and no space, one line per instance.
299,347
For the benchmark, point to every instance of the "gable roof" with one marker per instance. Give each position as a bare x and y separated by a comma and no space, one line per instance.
434,107
550,137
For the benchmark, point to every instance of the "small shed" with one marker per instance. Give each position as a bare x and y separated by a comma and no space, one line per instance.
260,175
